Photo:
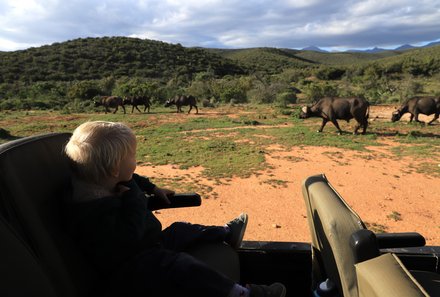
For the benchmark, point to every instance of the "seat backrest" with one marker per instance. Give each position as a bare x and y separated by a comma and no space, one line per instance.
20,272
34,173
384,276
331,222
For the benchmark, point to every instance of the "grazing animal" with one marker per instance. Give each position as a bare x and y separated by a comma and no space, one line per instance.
110,101
138,100
183,100
416,106
332,109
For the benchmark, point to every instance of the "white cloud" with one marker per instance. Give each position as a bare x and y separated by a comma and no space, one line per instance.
303,3
12,45
222,23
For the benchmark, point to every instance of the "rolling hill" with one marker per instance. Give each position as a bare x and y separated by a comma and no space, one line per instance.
97,58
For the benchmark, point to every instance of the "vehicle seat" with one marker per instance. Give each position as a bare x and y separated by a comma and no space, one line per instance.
33,175
332,223
385,275
20,272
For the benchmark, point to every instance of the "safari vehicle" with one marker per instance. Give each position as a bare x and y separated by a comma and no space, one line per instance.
37,258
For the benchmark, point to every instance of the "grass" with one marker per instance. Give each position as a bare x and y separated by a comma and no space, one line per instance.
276,183
183,185
396,216
234,142
421,145
376,228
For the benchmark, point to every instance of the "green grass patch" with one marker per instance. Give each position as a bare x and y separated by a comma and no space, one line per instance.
376,228
276,183
396,216
185,185
421,145
231,144
219,157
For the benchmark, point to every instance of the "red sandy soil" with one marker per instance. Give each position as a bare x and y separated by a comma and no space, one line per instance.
375,184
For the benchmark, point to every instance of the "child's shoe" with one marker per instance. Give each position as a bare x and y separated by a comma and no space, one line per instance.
237,228
274,290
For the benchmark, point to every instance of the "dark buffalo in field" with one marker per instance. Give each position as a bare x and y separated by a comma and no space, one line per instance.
183,100
110,102
416,106
333,109
134,101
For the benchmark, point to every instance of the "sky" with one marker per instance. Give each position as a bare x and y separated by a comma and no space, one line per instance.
333,25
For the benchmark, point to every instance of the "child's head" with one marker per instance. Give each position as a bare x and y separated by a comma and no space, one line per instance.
101,150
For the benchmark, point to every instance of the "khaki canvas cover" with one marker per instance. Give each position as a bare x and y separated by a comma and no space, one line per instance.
386,276
331,223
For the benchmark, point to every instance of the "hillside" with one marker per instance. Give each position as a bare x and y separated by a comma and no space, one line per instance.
56,75
344,58
96,58
271,60
420,61
274,59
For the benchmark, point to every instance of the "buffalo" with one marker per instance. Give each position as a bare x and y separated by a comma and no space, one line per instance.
138,100
183,100
332,109
416,106
110,101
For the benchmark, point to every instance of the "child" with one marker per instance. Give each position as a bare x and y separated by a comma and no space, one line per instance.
109,218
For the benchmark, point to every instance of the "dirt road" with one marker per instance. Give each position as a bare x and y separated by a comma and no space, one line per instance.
387,194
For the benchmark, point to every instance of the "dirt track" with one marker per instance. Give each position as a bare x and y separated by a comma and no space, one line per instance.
384,191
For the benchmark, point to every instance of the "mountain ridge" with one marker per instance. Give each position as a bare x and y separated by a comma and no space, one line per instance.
375,49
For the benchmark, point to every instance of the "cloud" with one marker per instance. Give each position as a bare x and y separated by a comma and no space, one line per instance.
223,23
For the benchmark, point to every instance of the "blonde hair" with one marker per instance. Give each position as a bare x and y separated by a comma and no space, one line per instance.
96,148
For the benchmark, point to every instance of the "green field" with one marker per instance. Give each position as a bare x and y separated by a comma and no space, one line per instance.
232,140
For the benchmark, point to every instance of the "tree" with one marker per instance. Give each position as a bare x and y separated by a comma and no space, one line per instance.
84,89
315,91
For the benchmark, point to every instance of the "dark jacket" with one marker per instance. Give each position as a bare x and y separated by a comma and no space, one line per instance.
111,230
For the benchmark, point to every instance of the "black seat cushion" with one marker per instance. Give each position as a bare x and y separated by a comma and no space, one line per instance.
33,175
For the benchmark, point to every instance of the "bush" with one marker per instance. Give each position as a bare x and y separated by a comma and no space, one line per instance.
392,100
315,92
78,106
330,73
10,104
233,94
207,103
285,98
31,103
84,89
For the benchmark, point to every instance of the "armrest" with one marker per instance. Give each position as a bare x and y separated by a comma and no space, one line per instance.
177,200
399,240
364,245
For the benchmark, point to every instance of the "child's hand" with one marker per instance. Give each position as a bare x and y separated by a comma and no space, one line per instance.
162,194
127,186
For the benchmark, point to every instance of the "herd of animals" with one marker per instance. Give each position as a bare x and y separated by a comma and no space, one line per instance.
135,101
330,109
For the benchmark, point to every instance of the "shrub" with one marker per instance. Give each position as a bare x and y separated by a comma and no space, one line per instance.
77,106
285,98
